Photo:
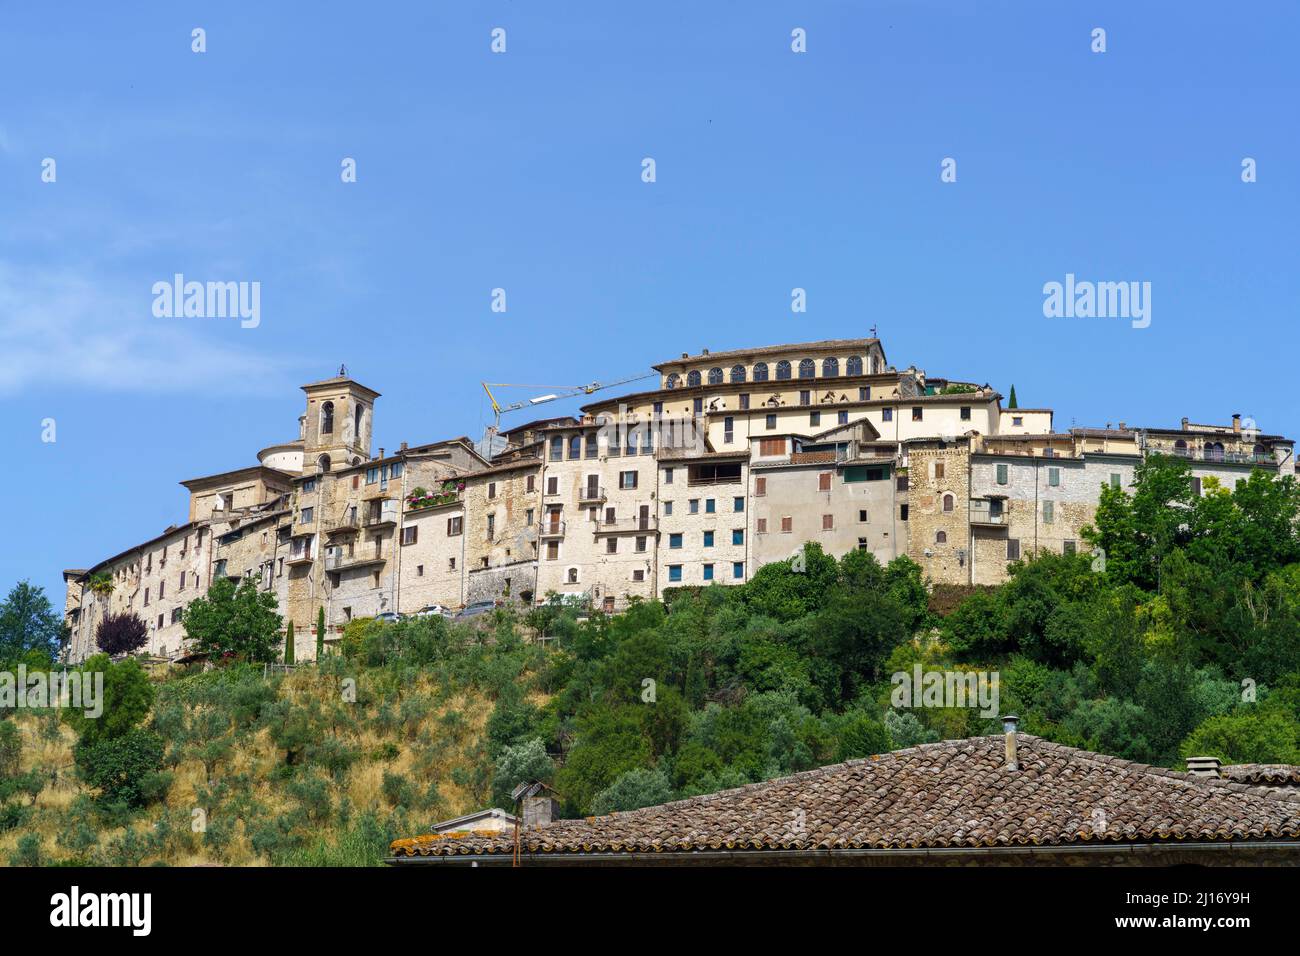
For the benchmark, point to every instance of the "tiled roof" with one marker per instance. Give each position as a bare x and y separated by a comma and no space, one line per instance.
954,794
823,345
1265,774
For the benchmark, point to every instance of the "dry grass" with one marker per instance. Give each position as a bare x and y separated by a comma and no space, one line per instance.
256,756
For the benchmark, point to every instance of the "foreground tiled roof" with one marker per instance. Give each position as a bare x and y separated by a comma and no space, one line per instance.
955,794
1267,774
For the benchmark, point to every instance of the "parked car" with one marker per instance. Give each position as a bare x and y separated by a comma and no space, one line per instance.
388,617
474,610
434,610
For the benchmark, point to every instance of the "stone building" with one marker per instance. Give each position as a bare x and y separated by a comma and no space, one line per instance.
737,459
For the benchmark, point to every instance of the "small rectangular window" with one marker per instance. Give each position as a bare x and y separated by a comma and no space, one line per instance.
824,481
760,525
760,487
708,539
738,504
668,476
917,413
410,534
965,413
1002,474
708,572
1054,477
1114,480
738,536
1049,512
886,414
674,572
1013,549
787,524
771,422
828,522
738,569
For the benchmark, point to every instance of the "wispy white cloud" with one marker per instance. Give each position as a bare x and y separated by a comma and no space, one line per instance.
61,329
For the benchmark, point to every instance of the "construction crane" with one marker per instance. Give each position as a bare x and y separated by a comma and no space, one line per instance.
564,391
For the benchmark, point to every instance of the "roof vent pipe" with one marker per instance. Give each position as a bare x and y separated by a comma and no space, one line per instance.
1010,723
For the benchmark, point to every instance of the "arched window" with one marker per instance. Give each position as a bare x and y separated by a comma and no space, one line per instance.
737,374
323,463
327,418
575,446
692,379
782,370
948,501
674,380
1213,451
1261,453
760,372
356,421
941,537
830,367
854,365
715,376
875,364
807,369
1180,448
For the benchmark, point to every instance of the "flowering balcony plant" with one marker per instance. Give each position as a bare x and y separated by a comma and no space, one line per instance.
423,498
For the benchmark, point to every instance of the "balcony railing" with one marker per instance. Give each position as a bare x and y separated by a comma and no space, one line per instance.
551,529
337,561
589,495
981,512
350,521
299,557
386,514
637,523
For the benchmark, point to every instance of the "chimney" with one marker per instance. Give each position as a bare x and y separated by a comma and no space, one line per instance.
539,806
1184,423
704,351
1203,766
403,448
1236,423
1009,725
381,451
686,355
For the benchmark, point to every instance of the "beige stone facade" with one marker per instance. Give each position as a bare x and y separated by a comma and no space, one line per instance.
736,460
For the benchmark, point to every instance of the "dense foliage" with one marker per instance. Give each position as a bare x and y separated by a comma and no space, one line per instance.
121,633
234,621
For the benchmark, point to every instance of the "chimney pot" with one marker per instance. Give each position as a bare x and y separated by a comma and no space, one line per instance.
1203,766
1236,422
1010,724
1184,424
381,451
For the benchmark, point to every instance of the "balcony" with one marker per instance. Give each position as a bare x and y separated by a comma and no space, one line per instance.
628,525
984,514
351,521
550,529
298,558
591,496
337,561
383,516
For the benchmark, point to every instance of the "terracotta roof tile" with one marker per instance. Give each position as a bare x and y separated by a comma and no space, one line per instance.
952,794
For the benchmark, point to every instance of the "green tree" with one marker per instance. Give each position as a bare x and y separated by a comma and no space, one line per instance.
30,630
125,769
288,644
637,788
320,634
127,697
1260,736
1011,401
231,620
518,764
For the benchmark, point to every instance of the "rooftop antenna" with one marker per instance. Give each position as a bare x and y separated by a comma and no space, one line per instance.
874,333
343,371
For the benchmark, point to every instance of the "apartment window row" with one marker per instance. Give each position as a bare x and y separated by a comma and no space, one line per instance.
677,539
780,371
710,505
707,572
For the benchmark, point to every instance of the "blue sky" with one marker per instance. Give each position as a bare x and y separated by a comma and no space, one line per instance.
522,171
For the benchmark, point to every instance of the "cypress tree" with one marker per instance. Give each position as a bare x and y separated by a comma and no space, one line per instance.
320,633
288,644
1011,402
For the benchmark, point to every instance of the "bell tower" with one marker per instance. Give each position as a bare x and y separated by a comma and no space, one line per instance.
337,426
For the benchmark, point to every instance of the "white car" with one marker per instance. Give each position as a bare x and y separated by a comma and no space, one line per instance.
434,610
388,617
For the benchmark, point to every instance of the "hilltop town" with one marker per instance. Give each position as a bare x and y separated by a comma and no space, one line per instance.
736,460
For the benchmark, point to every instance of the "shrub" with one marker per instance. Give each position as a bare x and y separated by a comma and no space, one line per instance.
122,633
124,769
